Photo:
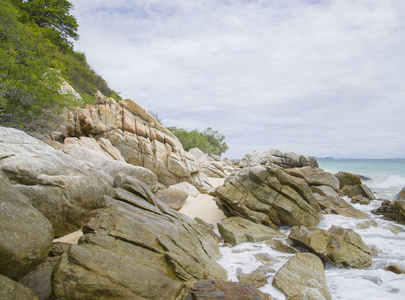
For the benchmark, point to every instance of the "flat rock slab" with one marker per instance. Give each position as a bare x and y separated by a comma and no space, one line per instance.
237,230
303,277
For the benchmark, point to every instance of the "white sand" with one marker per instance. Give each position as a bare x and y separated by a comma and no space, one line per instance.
71,238
204,206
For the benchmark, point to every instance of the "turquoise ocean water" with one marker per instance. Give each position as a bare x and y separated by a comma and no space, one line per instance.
387,176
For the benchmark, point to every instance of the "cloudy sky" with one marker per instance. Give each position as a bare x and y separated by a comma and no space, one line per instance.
316,77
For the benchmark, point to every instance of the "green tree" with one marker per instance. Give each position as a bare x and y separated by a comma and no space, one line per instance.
53,15
29,84
208,141
35,57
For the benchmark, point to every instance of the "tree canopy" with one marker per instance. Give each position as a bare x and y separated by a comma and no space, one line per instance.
208,141
36,55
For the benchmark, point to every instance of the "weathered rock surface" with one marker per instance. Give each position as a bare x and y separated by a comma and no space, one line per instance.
392,210
303,277
256,278
340,246
346,178
278,158
237,230
25,234
173,198
227,290
63,189
10,289
268,196
315,177
139,248
139,139
336,205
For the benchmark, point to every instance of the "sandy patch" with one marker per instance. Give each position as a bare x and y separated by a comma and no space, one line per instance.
71,238
204,206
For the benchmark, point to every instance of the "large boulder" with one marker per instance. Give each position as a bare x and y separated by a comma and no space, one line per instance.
25,234
268,196
136,247
10,289
237,230
303,277
347,178
340,246
63,189
278,158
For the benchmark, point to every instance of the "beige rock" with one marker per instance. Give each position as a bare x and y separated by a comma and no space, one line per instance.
339,246
236,230
336,205
268,196
303,277
172,197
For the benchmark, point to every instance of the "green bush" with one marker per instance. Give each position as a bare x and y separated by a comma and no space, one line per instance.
208,141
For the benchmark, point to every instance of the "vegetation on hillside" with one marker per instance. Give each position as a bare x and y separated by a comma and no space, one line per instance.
208,141
36,55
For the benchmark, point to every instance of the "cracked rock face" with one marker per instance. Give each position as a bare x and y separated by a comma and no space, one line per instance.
268,196
135,247
139,138
339,246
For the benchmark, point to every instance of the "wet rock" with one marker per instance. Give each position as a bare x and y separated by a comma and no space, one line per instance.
268,196
361,189
256,278
10,289
302,277
237,230
25,234
210,289
339,246
392,210
336,205
396,268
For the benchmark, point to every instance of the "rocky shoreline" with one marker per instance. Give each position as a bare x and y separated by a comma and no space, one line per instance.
122,178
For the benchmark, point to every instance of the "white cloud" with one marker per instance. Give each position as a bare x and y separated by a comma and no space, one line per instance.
306,76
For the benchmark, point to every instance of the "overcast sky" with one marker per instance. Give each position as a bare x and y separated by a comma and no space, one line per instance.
316,77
